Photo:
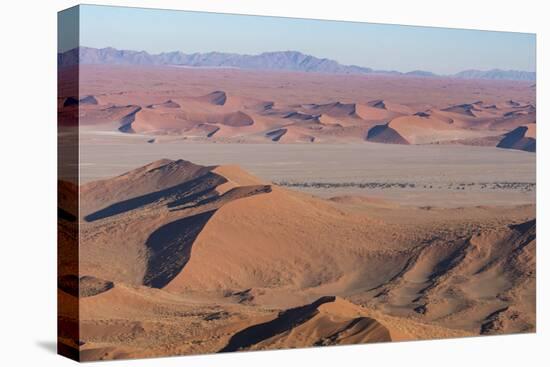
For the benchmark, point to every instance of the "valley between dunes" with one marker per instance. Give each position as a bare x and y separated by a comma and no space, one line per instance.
181,258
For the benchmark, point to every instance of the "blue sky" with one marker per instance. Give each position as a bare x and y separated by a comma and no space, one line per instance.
387,47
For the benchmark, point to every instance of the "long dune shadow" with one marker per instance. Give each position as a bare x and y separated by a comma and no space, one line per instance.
127,121
525,226
170,248
285,321
179,194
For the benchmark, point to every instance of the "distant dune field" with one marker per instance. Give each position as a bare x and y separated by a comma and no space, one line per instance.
240,106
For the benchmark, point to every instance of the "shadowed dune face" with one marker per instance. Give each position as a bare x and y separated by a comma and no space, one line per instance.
202,187
88,100
169,248
144,181
521,138
285,321
217,98
276,135
385,134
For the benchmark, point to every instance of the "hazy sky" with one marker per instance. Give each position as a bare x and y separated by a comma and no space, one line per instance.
387,47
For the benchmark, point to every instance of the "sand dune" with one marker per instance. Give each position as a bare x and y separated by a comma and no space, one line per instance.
369,113
461,284
168,186
235,177
187,121
217,98
521,138
276,135
493,117
327,321
222,101
194,116
299,209
422,130
154,177
509,122
237,119
417,130
292,134
302,116
124,323
460,124
466,109
391,106
334,109
168,104
118,117
385,134
170,235
330,321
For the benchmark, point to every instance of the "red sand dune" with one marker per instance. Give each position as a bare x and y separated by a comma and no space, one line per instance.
168,237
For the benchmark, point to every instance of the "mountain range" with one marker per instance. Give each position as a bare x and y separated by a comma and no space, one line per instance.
276,60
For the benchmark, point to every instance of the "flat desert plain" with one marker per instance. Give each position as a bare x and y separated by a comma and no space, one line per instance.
226,210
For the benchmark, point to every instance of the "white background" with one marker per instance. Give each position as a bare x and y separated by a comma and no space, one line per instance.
28,181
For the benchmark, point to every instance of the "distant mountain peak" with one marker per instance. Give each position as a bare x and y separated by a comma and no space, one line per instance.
289,60
497,74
